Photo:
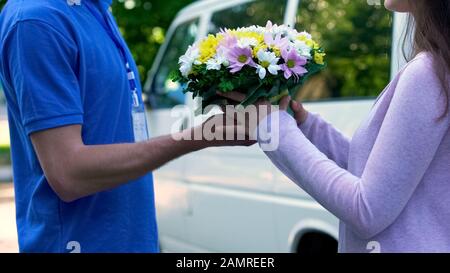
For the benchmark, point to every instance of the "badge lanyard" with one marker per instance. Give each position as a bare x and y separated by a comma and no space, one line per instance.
138,111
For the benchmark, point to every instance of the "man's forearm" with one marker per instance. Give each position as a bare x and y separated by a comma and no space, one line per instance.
75,170
97,168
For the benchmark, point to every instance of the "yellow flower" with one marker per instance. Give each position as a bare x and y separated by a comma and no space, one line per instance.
248,34
309,42
208,47
259,47
318,58
276,50
264,47
315,45
259,38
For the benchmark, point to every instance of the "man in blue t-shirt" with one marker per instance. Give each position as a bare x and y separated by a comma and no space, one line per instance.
82,179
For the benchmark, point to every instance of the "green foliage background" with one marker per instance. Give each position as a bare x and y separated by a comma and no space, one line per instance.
357,39
145,25
358,60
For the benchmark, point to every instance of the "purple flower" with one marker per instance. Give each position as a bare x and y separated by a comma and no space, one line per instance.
229,40
293,63
239,57
277,41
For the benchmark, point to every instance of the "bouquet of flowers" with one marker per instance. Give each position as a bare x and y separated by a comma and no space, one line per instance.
262,62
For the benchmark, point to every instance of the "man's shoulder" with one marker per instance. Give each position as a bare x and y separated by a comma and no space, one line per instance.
51,12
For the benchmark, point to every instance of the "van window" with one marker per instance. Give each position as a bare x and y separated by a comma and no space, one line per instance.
357,39
165,93
247,14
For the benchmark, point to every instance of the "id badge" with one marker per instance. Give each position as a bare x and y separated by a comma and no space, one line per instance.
139,124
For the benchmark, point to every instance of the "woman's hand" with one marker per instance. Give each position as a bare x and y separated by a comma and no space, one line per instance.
300,114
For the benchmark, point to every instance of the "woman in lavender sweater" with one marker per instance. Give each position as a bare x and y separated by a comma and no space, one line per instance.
390,184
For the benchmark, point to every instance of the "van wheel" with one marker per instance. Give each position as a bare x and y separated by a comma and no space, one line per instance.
317,243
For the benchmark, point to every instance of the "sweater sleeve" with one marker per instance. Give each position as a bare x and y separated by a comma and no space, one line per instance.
406,144
327,139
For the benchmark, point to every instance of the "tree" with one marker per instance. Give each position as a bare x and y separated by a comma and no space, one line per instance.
143,24
357,39
355,35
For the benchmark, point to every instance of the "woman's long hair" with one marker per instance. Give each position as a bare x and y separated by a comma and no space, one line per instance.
430,21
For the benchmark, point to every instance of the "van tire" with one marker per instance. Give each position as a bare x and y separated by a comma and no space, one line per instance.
317,243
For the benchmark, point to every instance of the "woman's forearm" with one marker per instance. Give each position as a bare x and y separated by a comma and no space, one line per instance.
327,139
371,202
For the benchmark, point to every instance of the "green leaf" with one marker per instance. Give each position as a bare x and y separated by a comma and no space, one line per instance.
226,86
210,93
275,90
276,99
250,95
175,75
262,93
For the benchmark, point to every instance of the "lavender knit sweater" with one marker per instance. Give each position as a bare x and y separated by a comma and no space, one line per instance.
390,184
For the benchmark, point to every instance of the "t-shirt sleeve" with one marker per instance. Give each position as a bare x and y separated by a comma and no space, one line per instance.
42,64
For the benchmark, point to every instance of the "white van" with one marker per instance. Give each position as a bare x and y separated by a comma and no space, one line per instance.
234,199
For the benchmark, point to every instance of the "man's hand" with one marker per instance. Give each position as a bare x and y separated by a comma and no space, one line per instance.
75,170
221,130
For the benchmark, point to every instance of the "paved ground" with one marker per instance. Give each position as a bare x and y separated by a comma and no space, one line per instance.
8,234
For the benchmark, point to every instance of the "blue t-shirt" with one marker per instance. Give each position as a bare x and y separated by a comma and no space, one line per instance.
59,67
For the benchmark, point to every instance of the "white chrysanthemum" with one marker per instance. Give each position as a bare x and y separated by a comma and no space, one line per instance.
216,62
256,29
188,59
246,42
282,29
250,28
302,48
292,34
268,61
